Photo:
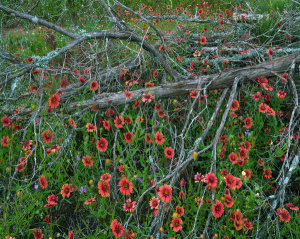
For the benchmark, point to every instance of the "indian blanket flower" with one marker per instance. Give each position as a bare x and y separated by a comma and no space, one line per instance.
233,157
218,209
102,145
87,161
119,122
125,186
211,180
47,136
228,201
128,137
159,138
5,120
257,96
230,181
267,173
128,94
169,152
284,216
72,123
129,205
165,193
116,228
248,122
5,140
193,93
148,138
263,108
176,224
179,211
89,201
154,203
281,94
234,105
105,177
202,40
247,225
147,98
94,85
66,190
292,207
198,177
37,233
43,182
103,188
54,101
90,127
106,124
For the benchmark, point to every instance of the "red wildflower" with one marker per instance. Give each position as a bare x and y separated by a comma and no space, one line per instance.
128,94
284,216
256,96
261,162
106,125
154,203
233,157
198,177
37,233
165,193
102,145
159,138
128,137
194,93
103,188
218,209
71,234
169,152
176,224
228,201
87,161
127,120
94,85
20,167
5,120
211,180
136,104
47,136
29,59
5,140
179,211
281,94
43,181
105,177
119,122
155,73
147,98
89,201
72,123
263,108
125,186
292,207
267,173
129,205
202,40
90,127
66,190
247,225
234,105
248,123
230,181
148,139
52,201
116,228
54,101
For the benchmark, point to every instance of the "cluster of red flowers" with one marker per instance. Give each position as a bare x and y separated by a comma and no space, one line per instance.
116,228
237,217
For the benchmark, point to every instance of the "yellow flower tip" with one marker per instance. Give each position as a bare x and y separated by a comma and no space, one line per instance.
161,229
107,162
19,194
208,67
243,173
216,235
91,182
174,101
195,154
201,236
175,215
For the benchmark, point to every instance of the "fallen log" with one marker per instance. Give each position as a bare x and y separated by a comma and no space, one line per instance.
215,81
